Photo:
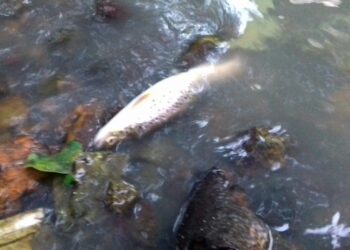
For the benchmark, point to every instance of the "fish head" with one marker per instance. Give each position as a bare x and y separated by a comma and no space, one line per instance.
107,138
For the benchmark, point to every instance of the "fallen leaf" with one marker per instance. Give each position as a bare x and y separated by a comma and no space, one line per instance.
60,163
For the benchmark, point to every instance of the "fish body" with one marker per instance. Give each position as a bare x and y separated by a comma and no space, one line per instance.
163,101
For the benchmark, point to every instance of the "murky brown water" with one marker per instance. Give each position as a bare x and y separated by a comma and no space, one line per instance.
57,55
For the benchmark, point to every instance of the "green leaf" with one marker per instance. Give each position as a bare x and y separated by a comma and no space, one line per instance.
69,180
60,163
69,154
47,164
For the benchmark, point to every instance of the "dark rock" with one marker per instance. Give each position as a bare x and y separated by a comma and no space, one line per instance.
217,217
198,51
258,147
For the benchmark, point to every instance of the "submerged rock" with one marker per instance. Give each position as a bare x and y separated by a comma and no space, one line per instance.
198,50
258,146
112,11
12,8
55,85
13,111
82,123
100,184
217,217
15,180
18,231
121,196
144,226
102,211
60,37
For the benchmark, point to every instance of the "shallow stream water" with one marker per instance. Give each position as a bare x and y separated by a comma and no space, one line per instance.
297,77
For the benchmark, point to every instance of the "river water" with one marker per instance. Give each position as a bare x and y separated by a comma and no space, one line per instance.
297,76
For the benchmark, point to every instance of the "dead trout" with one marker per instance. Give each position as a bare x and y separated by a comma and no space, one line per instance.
163,101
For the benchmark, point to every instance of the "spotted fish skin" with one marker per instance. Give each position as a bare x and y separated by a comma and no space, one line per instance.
163,101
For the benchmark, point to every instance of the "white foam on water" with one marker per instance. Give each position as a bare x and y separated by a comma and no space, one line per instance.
282,228
245,10
335,230
327,3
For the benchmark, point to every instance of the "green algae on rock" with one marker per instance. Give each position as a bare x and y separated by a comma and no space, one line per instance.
101,199
100,210
100,185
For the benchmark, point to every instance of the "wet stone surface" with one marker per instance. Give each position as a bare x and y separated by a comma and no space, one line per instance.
257,147
100,182
216,217
101,198
120,196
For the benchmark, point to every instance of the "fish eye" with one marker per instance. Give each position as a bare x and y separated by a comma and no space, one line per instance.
111,140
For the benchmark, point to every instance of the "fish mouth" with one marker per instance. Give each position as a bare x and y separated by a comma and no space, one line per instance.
99,142
98,145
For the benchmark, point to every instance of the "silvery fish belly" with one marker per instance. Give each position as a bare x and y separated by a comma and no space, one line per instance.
161,102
